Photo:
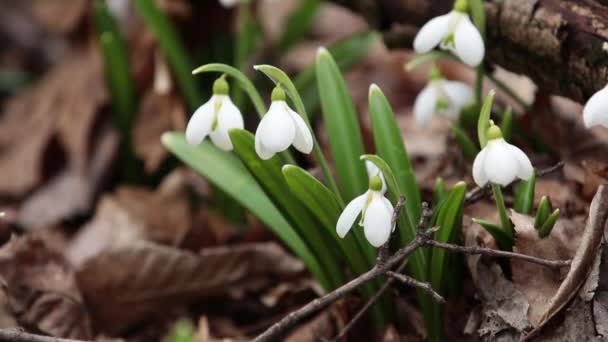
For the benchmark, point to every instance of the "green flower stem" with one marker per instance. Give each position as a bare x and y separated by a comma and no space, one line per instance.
507,90
502,210
479,84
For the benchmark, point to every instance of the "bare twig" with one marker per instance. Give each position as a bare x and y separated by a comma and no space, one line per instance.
17,335
498,253
407,280
479,193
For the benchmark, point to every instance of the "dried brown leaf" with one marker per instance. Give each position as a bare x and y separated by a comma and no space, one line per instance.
124,284
42,290
320,327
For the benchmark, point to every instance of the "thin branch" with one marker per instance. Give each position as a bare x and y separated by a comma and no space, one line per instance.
407,280
479,193
498,253
17,335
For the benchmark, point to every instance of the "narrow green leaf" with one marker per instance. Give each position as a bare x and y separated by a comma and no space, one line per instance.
484,119
524,195
299,23
248,35
346,52
325,207
269,176
440,191
225,171
390,147
505,222
506,124
503,239
478,15
243,81
547,227
278,76
426,58
169,41
343,131
467,146
542,213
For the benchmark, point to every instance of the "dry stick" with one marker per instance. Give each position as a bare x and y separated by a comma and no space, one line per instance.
497,253
407,280
16,335
478,193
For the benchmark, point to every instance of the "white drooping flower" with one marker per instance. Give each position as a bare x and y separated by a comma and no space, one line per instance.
215,118
373,170
595,111
229,3
376,213
500,162
453,32
446,98
280,128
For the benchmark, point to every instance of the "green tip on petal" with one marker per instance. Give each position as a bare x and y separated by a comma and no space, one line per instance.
278,94
375,183
220,86
461,6
494,132
435,73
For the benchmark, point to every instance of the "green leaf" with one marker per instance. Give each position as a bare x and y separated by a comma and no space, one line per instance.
172,47
505,222
503,239
390,147
547,227
225,171
426,58
440,190
243,81
524,195
506,124
467,146
484,119
269,176
325,207
343,131
248,35
346,52
299,23
542,213
278,76
478,15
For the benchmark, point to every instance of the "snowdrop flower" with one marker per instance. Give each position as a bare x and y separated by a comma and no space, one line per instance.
446,98
280,128
373,170
229,3
500,162
376,214
453,32
595,111
215,118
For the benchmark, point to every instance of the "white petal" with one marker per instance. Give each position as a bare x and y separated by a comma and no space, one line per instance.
389,209
277,129
377,222
595,111
479,173
200,123
229,3
431,34
229,117
525,166
262,151
425,105
459,93
303,139
468,42
350,214
500,165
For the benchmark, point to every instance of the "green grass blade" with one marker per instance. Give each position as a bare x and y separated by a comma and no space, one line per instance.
484,119
248,35
342,124
299,23
278,76
503,239
542,213
547,227
225,171
505,222
269,176
468,148
172,47
524,195
440,191
346,52
478,15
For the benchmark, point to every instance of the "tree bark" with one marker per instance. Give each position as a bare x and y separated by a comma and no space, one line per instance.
562,45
